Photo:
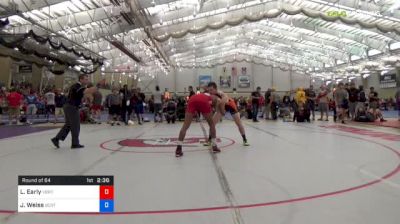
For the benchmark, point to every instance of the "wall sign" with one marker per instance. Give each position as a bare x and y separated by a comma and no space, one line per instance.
388,80
25,69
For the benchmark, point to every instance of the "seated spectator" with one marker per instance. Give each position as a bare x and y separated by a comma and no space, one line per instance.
377,114
363,115
301,113
170,111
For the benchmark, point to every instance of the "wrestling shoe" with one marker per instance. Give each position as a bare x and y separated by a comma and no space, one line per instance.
178,152
215,149
207,143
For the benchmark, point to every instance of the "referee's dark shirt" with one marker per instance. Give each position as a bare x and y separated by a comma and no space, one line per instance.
75,94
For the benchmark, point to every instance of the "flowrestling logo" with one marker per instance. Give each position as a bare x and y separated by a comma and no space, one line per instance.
334,13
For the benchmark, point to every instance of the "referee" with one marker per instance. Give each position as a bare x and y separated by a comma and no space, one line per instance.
71,112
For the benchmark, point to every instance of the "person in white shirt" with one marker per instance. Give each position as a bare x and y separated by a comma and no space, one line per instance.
158,102
50,104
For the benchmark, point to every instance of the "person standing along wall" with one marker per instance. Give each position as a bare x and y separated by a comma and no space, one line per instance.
114,101
267,105
60,100
71,111
323,103
50,103
31,101
342,102
126,110
373,99
397,97
311,96
96,106
191,92
361,99
353,100
15,99
158,102
137,103
255,97
3,102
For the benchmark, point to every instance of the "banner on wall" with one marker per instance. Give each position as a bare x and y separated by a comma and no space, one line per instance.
204,80
225,81
25,69
243,79
388,80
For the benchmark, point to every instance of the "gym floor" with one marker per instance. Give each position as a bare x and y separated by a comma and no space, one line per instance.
317,172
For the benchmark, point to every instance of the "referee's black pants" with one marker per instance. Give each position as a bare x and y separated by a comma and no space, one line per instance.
72,123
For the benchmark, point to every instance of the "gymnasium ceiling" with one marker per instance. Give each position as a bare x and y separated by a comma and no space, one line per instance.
325,38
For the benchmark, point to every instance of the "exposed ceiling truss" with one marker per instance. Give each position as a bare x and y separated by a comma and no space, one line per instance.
291,34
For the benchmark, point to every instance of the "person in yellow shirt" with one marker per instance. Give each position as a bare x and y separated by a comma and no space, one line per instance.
300,96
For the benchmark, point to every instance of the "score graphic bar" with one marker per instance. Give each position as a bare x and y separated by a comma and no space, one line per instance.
66,194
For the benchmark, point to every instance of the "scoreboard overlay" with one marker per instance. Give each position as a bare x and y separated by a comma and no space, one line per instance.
66,194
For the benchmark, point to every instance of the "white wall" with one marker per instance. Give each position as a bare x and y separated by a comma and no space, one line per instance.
260,75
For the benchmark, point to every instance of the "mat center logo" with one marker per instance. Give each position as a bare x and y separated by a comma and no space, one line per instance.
161,144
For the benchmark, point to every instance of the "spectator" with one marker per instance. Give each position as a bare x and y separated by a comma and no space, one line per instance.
322,100
31,101
390,103
275,99
362,99
126,109
286,99
14,103
342,103
50,103
170,111
96,106
137,103
267,107
158,102
114,101
255,96
40,106
141,101
353,98
377,114
3,102
300,96
191,92
373,99
397,98
302,113
59,101
311,96
180,108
